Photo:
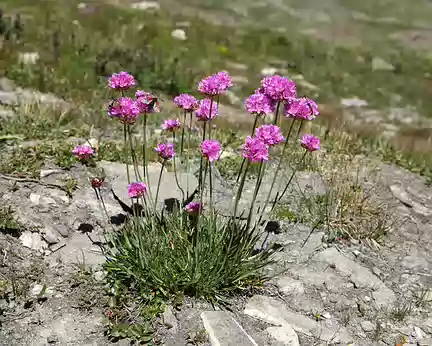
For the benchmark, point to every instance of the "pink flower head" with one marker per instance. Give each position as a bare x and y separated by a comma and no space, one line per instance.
147,102
171,125
255,150
260,104
278,88
83,152
310,142
211,149
193,207
269,134
126,109
165,150
301,108
215,84
121,81
137,189
203,112
186,102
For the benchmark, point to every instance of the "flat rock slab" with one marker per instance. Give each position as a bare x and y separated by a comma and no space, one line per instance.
224,330
275,312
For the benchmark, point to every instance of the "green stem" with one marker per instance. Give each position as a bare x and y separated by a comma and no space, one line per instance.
210,118
188,151
244,159
276,114
200,183
126,153
144,148
159,182
175,174
239,191
182,135
255,194
133,155
211,189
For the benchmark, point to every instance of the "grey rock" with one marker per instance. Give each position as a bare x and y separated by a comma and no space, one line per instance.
354,102
41,291
6,84
50,235
34,198
169,320
425,342
275,312
146,5
427,325
28,58
401,194
99,275
285,334
379,64
32,241
367,326
288,285
223,329
47,172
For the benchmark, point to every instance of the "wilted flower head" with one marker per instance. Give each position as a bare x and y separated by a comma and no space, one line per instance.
186,102
147,102
215,84
211,149
203,112
260,104
126,109
255,150
278,88
121,81
137,189
83,152
301,108
165,150
310,142
97,182
193,207
269,134
171,125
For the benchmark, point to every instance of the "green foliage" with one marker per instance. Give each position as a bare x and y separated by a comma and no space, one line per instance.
171,255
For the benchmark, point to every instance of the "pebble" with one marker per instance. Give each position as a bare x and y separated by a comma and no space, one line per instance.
367,326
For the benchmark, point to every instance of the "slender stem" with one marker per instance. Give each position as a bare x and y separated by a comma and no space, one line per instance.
277,170
255,194
240,190
133,155
188,152
159,182
277,199
244,159
182,135
175,174
126,153
200,183
144,148
210,117
276,114
203,184
211,189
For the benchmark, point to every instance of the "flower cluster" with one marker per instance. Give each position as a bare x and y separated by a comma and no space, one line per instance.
136,190
126,109
186,102
269,134
193,208
147,102
211,149
278,88
165,150
171,125
255,150
260,104
203,112
215,84
83,152
121,81
301,108
310,142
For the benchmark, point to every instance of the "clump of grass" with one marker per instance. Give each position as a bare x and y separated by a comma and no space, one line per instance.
422,297
401,310
7,219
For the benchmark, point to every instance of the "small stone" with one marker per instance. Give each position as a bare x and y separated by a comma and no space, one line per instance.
41,291
354,102
326,315
367,299
269,71
47,172
32,241
169,320
419,334
63,230
425,342
356,253
224,330
288,285
50,235
99,275
28,58
379,64
179,34
367,326
146,6
52,339
34,198
285,334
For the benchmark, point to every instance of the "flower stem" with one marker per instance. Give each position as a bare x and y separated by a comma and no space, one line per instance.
175,174
133,155
277,113
239,191
210,117
188,151
200,183
244,159
182,135
211,189
159,182
144,148
126,152
255,194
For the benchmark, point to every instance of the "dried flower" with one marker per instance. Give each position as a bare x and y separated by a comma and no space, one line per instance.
171,125
137,189
186,102
278,88
147,102
203,112
310,142
255,150
121,81
215,84
193,207
96,183
211,149
126,109
83,152
301,108
269,134
165,150
260,104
